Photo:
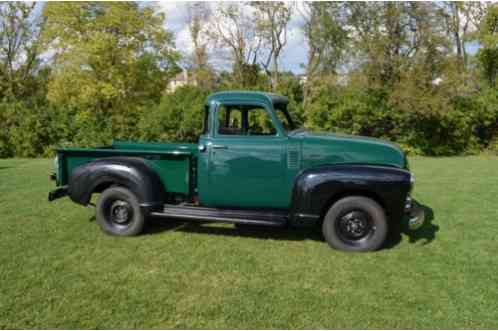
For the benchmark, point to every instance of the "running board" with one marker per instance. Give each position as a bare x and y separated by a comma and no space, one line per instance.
201,214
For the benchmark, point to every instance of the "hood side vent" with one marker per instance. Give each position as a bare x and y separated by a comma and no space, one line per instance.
292,158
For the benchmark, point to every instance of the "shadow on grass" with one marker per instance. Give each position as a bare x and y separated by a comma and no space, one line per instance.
252,231
425,234
3,168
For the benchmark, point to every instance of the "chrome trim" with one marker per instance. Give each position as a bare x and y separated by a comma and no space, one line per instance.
408,203
219,147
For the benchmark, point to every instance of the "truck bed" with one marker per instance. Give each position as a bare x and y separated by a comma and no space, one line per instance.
174,162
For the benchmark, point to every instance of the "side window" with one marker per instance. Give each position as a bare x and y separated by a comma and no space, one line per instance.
230,121
259,123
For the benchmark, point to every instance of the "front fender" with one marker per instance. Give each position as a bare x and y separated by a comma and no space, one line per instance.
315,189
130,172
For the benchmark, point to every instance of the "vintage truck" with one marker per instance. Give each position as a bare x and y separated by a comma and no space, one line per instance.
251,166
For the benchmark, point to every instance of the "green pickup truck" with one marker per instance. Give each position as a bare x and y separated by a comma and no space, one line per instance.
251,166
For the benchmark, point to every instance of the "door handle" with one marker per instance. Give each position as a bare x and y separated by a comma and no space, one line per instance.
219,146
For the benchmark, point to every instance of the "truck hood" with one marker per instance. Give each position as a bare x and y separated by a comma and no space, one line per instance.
320,148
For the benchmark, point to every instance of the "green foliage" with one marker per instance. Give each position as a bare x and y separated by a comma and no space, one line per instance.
19,49
178,117
113,61
290,86
430,126
32,130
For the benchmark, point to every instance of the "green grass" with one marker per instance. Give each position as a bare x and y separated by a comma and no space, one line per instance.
58,270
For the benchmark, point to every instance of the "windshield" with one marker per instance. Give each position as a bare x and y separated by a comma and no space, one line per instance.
284,117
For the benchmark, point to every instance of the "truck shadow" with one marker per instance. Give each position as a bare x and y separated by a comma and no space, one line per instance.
426,234
260,232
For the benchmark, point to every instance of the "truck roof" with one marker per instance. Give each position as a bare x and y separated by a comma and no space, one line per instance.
248,95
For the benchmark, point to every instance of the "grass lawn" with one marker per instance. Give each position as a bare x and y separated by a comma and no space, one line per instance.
58,270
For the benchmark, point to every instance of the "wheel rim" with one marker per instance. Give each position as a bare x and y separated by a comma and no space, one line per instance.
354,226
120,213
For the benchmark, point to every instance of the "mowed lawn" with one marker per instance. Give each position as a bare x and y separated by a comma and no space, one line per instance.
58,270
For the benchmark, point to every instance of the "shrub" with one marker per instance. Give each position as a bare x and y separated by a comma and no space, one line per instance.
178,117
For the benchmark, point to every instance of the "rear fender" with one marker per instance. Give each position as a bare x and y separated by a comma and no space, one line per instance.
316,189
130,172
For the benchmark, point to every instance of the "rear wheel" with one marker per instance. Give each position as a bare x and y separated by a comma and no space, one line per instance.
355,223
119,213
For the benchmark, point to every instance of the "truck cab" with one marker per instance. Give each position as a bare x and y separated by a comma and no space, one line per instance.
243,154
251,165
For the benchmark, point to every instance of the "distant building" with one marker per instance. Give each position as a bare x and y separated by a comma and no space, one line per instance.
303,79
437,81
181,79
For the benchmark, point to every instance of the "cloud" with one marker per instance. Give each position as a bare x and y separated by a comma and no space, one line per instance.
295,52
176,13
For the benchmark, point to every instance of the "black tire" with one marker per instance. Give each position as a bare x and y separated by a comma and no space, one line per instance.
119,213
356,224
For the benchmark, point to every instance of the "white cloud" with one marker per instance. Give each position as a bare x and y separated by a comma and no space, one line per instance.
295,52
183,40
176,13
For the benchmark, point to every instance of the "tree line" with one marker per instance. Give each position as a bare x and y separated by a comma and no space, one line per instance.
422,74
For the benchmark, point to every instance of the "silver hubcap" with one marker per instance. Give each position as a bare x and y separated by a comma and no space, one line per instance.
120,212
355,225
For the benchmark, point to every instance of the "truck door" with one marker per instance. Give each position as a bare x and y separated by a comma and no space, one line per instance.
245,160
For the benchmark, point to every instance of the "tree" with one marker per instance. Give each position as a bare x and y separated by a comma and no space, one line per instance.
488,38
19,49
178,117
272,19
109,59
327,37
199,13
457,25
233,28
383,37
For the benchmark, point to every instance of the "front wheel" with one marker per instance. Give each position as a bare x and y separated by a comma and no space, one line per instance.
355,223
119,213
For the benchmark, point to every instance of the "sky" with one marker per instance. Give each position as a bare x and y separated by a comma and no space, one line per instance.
293,55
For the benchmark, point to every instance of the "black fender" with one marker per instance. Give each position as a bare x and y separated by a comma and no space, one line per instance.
130,172
315,189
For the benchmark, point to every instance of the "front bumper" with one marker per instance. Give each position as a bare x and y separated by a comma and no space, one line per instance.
415,213
57,193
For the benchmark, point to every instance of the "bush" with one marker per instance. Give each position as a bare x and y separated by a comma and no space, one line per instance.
465,125
436,126
31,131
178,117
